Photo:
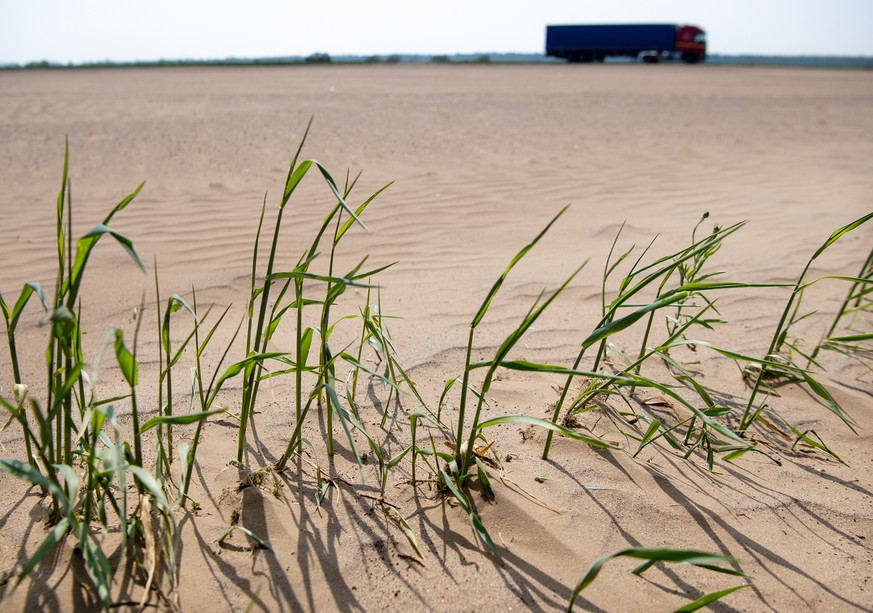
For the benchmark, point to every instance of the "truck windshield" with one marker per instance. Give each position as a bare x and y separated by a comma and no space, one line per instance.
700,38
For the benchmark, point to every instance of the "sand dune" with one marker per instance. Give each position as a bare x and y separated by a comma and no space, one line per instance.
481,157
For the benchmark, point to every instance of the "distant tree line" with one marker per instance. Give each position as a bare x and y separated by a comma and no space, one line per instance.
458,58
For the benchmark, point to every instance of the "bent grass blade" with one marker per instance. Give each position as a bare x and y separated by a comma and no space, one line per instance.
709,561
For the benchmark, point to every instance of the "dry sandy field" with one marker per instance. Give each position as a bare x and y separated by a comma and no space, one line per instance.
481,159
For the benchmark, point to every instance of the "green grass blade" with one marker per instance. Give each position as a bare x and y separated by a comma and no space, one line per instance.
211,332
178,420
27,291
305,345
259,542
332,185
686,556
827,399
295,175
71,482
96,564
51,541
524,365
302,274
651,555
396,459
839,232
544,423
664,389
354,362
358,211
28,473
345,417
802,436
300,145
628,320
84,246
589,576
482,533
122,240
484,481
123,204
497,284
235,369
456,492
126,361
152,485
701,286
709,599
851,338
650,432
450,383
478,527
855,280
62,197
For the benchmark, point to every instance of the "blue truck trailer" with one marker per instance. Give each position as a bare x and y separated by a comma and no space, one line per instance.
645,42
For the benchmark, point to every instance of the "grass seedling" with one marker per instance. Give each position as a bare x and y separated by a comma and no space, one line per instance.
775,363
206,396
375,334
461,463
463,452
333,291
640,277
169,357
65,348
64,360
858,300
261,328
93,488
254,339
326,371
622,383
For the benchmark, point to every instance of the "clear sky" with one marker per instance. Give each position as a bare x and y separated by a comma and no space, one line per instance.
96,30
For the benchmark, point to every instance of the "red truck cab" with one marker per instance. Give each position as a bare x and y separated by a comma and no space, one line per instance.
691,44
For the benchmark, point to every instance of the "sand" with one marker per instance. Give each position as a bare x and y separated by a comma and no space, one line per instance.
481,157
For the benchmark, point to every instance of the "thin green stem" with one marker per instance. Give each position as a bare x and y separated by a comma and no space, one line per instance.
299,365
464,386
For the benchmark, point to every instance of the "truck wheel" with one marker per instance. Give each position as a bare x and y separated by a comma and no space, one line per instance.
689,58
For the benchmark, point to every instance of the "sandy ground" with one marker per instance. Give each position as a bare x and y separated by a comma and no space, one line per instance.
481,157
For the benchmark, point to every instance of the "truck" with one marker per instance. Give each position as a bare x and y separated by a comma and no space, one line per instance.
651,42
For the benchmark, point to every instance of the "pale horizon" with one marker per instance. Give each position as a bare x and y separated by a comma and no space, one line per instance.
93,31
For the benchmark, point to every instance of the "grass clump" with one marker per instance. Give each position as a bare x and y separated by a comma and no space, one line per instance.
459,466
679,289
263,321
779,364
77,453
